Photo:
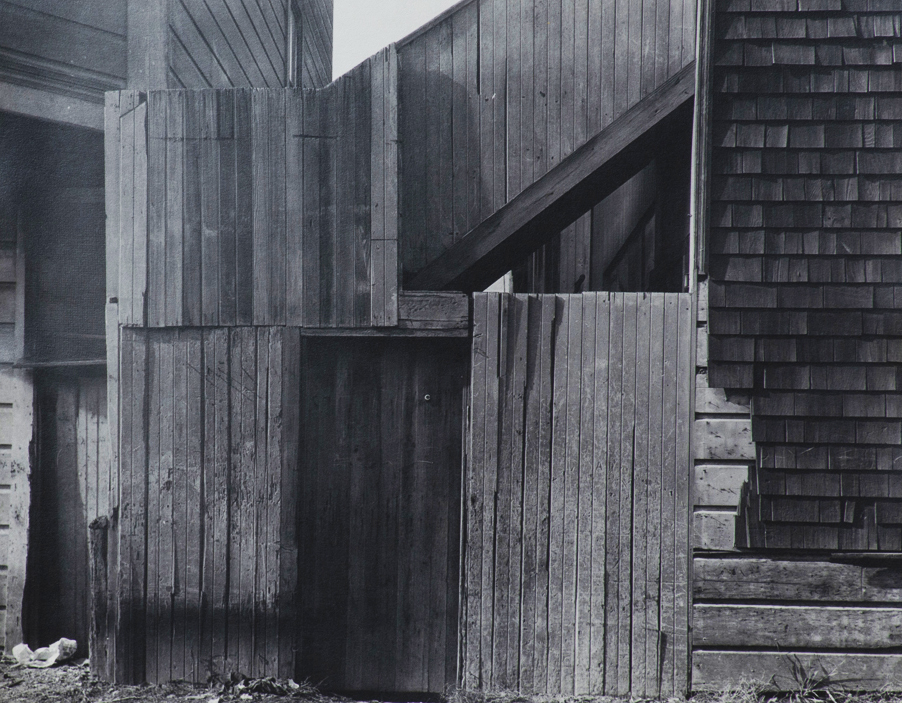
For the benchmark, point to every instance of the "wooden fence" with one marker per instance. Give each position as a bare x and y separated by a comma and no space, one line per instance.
264,207
206,537
577,494
289,506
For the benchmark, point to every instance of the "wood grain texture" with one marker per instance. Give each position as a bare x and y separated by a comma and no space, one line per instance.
395,437
559,197
266,207
593,594
217,533
798,581
526,83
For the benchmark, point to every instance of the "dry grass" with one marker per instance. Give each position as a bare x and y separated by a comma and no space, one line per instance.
74,684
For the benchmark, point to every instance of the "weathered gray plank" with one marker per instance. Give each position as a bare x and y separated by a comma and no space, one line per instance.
784,580
713,670
174,225
798,627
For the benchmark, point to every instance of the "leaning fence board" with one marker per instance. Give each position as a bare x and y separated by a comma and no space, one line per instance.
596,372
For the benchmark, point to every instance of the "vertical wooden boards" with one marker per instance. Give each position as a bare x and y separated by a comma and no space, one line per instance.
269,246
289,490
528,83
156,212
295,282
111,146
210,219
174,184
474,505
207,451
379,456
264,207
384,173
130,631
655,531
579,528
130,205
244,209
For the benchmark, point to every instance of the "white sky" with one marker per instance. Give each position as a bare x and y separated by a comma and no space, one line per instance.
362,27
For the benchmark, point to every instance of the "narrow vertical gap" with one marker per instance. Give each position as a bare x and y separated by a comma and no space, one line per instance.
227,557
203,602
478,47
140,668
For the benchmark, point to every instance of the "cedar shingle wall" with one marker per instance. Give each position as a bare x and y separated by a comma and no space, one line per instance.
806,262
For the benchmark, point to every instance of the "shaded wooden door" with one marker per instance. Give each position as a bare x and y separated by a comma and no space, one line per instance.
577,494
379,517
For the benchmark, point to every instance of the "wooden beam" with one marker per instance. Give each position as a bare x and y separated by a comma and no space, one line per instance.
584,178
800,581
434,311
44,104
796,627
713,670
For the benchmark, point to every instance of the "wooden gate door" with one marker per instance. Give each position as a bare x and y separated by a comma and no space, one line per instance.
577,494
379,513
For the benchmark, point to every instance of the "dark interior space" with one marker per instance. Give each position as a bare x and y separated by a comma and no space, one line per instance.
379,532
51,193
635,239
52,236
70,455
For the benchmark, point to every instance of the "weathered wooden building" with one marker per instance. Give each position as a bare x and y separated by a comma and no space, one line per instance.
263,417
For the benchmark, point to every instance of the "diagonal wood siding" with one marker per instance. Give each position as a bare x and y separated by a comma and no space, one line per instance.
497,92
577,495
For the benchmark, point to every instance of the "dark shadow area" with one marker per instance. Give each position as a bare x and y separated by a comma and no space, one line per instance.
635,239
51,198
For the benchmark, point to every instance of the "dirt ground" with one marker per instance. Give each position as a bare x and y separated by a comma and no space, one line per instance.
73,683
